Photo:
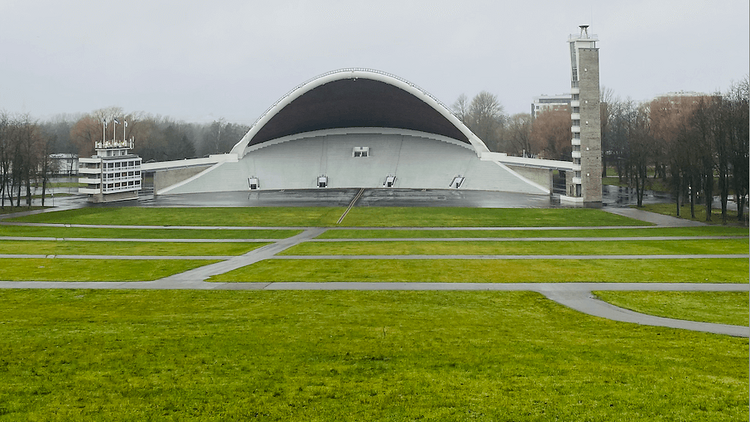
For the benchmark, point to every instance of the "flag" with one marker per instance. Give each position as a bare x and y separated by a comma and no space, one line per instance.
105,122
116,121
126,123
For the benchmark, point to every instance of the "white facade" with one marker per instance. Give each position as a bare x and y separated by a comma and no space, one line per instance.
112,174
395,158
549,102
64,163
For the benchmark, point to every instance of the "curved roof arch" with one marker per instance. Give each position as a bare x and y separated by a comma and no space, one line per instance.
356,98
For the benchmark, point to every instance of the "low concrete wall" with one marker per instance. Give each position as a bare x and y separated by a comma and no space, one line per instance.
166,178
113,197
537,175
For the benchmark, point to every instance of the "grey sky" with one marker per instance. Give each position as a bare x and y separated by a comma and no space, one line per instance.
199,61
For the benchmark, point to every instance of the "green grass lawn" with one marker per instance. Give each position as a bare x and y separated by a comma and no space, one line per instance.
42,269
528,233
493,271
151,233
233,216
322,216
700,213
483,217
320,356
716,307
44,247
10,210
558,247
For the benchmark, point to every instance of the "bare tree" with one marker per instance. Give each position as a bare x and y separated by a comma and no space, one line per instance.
606,98
738,136
484,116
487,118
640,148
550,134
461,108
84,133
5,159
518,134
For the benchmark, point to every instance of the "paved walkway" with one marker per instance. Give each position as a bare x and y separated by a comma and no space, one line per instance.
564,257
574,295
652,217
251,258
381,239
266,252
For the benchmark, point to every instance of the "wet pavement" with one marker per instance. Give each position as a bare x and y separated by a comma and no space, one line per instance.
343,197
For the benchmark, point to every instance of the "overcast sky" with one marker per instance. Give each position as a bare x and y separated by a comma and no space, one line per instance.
200,61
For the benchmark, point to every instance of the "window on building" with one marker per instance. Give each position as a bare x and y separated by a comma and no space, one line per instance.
361,152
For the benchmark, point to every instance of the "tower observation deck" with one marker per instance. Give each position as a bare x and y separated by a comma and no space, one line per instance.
585,185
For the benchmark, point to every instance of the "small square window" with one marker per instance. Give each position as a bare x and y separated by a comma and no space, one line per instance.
361,152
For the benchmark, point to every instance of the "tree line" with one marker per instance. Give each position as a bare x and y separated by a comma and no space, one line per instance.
24,158
697,145
26,144
546,136
157,138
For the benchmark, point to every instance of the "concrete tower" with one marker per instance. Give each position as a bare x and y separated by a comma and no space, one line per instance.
586,182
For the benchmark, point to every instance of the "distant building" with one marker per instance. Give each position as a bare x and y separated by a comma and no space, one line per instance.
586,183
113,174
549,102
681,99
682,94
64,164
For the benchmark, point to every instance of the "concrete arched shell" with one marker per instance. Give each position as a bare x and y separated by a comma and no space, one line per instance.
356,98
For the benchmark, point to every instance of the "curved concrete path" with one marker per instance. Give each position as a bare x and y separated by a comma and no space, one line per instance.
584,301
577,296
652,217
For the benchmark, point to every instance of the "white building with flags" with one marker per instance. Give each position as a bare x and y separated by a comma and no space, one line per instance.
113,173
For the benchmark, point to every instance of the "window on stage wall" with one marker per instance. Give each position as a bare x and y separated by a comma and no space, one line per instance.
361,152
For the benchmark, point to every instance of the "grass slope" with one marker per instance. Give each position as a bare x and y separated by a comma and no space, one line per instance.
151,233
41,269
700,213
717,307
237,217
493,271
593,232
43,247
322,216
561,247
483,217
319,356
